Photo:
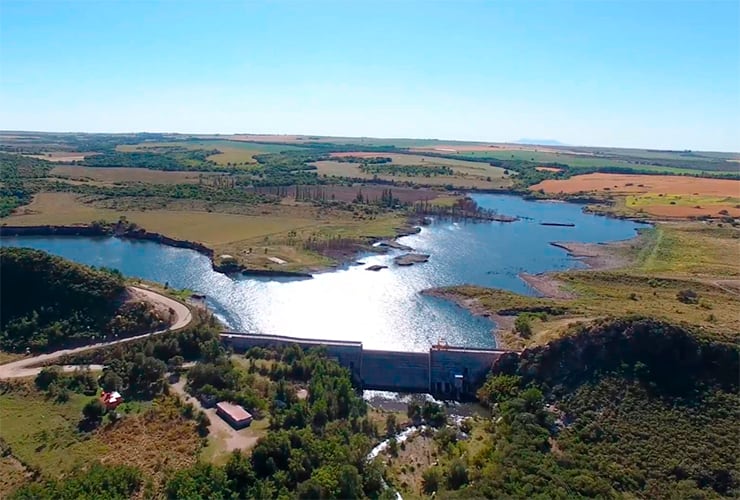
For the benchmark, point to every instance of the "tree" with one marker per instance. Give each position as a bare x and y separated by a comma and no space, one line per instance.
391,427
111,381
93,411
350,482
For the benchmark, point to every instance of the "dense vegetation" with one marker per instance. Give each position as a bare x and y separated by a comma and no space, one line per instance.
316,447
111,482
14,170
48,301
169,159
406,170
627,408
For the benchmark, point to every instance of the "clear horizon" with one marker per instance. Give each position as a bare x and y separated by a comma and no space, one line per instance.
657,75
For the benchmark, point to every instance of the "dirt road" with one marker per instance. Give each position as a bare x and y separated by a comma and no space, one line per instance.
29,367
227,437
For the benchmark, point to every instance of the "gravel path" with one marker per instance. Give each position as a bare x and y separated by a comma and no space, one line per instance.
29,367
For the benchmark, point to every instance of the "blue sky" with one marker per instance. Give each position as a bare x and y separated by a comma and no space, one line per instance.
644,74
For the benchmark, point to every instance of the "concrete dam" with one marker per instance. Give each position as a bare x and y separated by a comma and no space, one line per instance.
444,370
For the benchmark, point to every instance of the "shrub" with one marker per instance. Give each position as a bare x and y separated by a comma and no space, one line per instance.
523,326
48,376
430,480
93,411
687,296
457,475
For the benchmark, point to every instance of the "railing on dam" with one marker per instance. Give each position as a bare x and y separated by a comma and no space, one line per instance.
443,370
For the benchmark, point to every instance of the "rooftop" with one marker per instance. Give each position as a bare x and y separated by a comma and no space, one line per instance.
236,412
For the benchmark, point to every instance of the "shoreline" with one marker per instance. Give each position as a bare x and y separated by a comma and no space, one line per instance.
473,306
114,231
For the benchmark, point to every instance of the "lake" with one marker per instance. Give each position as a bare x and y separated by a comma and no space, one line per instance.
382,309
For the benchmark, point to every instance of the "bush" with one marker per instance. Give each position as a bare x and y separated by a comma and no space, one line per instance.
523,326
93,411
48,376
430,480
457,475
687,296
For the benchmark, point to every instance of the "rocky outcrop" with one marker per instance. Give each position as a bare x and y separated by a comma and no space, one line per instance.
410,259
375,267
394,244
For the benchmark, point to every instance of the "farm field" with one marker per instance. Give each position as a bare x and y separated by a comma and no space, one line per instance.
631,183
112,175
684,206
667,197
62,156
466,174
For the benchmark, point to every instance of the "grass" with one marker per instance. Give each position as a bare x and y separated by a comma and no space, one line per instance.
112,175
662,262
43,434
7,357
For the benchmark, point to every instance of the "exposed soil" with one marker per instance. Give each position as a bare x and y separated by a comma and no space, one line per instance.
548,169
633,183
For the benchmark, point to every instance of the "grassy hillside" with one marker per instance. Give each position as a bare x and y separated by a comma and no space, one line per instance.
48,301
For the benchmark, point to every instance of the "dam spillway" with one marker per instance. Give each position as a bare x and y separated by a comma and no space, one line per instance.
444,370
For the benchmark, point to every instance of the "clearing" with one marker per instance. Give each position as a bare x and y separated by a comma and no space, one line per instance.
222,438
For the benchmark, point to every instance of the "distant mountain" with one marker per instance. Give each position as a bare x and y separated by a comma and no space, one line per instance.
540,142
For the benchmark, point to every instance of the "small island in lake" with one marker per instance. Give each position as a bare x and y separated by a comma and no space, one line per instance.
410,259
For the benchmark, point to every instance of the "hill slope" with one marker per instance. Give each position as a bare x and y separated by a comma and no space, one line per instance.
48,302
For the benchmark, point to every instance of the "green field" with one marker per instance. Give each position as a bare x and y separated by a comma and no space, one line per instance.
44,434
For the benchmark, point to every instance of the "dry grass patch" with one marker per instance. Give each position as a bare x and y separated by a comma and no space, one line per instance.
629,183
157,441
125,174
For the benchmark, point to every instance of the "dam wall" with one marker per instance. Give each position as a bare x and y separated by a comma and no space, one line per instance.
445,371
395,371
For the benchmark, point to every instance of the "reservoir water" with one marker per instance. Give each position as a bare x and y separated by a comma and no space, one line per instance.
382,309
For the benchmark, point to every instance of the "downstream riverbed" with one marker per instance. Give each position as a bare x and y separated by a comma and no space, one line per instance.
382,309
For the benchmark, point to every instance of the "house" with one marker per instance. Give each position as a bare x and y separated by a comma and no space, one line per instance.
234,414
111,400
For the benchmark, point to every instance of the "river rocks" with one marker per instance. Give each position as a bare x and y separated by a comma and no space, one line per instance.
410,259
376,267
395,244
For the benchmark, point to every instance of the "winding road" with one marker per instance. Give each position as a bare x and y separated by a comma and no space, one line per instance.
29,367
